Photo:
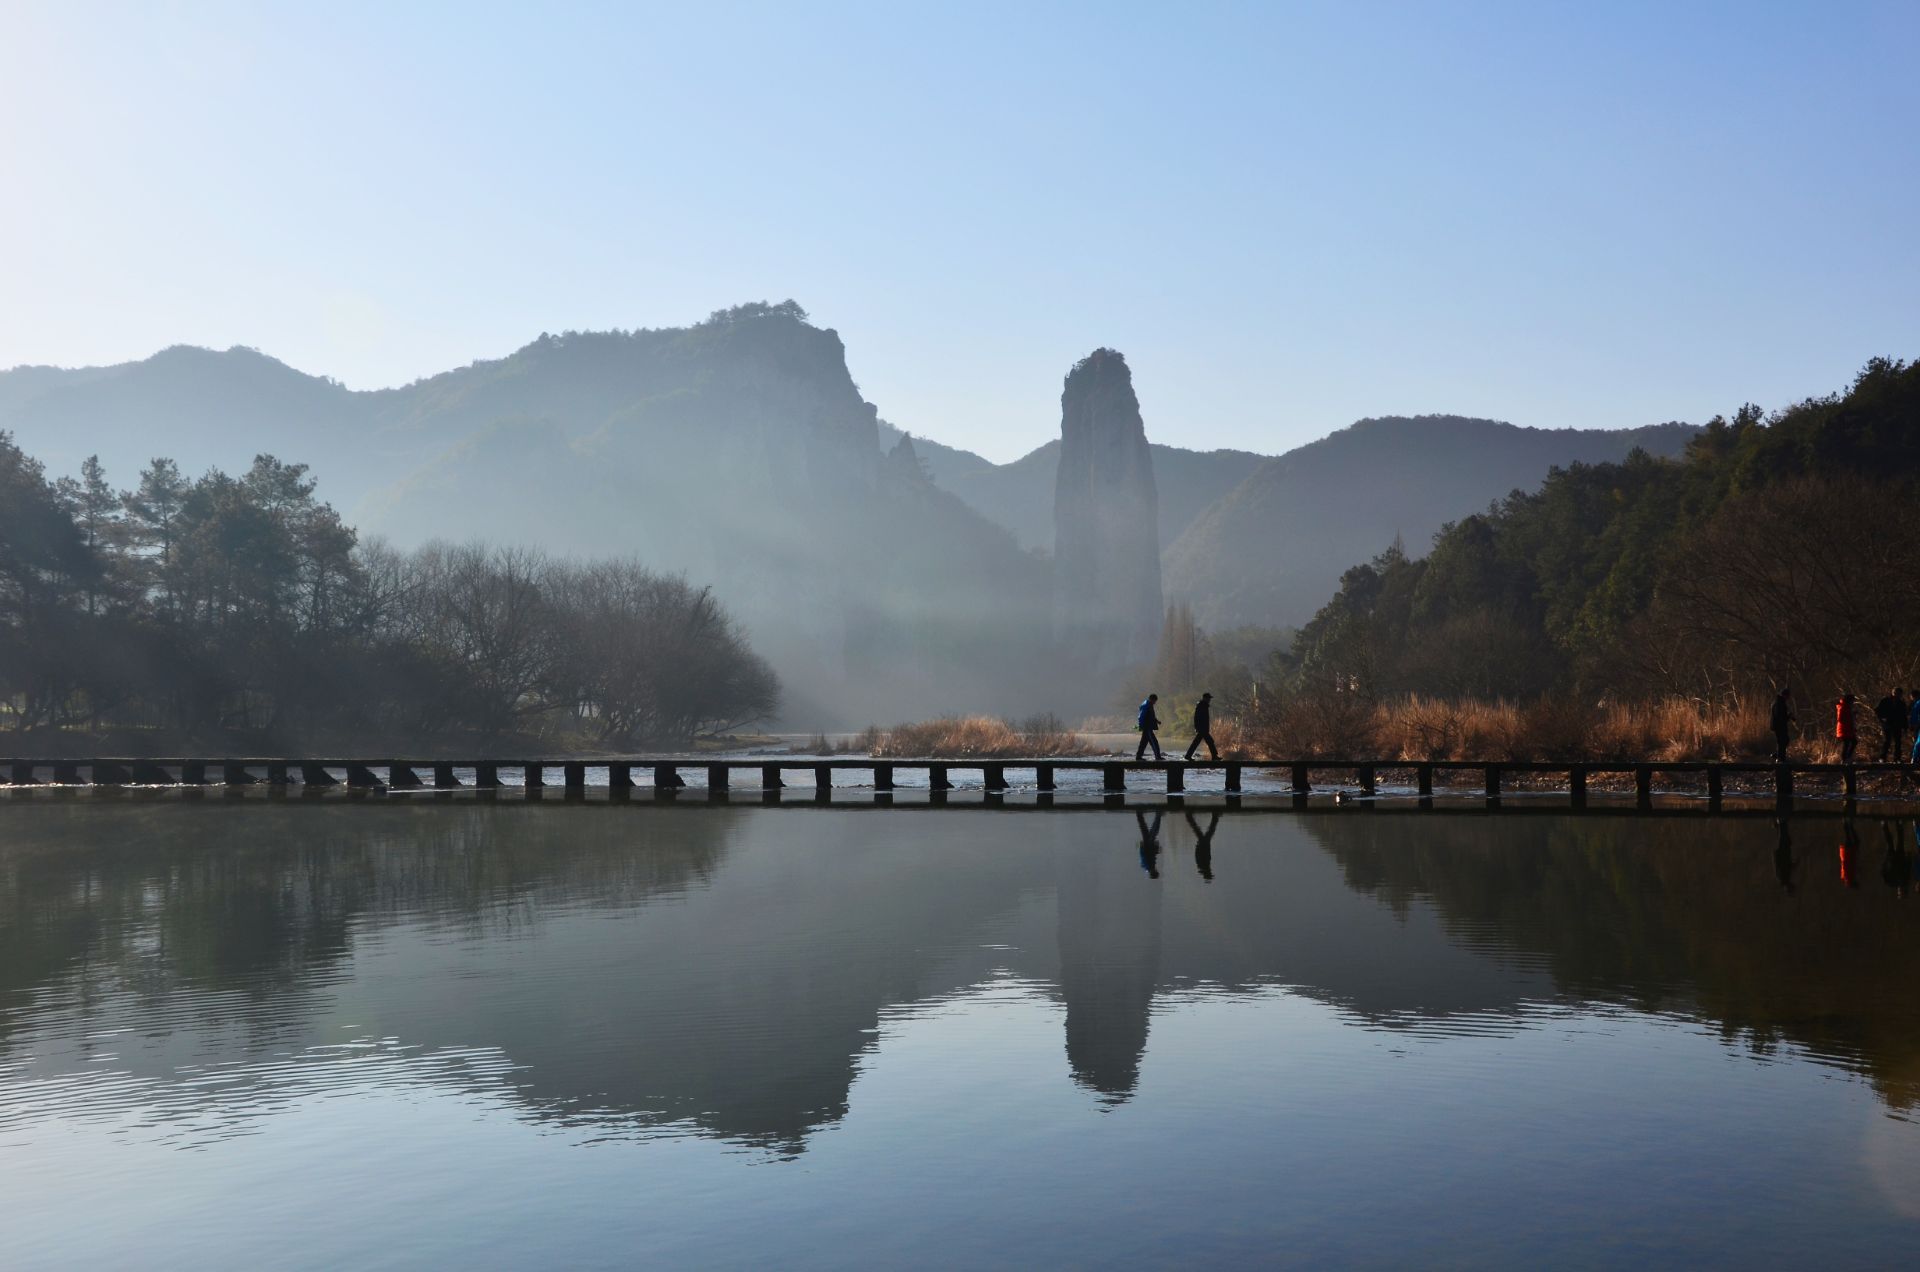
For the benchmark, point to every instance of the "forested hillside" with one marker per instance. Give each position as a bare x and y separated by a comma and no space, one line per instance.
1776,550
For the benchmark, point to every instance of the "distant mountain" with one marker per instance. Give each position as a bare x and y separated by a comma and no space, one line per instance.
1273,549
199,407
881,581
737,450
1019,495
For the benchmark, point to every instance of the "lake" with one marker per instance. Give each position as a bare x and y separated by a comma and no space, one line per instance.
285,1033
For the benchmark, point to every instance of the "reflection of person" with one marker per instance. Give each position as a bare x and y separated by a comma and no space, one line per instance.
1896,867
1849,855
1203,729
1203,843
1149,843
1149,726
1783,862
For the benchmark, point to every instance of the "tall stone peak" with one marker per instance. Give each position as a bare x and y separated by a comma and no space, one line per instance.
1106,536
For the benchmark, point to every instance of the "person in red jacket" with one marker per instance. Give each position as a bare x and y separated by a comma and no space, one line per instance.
1843,727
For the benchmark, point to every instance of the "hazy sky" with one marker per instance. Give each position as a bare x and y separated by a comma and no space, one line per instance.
1288,216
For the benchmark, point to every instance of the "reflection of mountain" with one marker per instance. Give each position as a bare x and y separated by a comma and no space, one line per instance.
1674,916
727,969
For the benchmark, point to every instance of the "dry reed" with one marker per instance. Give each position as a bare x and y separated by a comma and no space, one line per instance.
977,737
1665,730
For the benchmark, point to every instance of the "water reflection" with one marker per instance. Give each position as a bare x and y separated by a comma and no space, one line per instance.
724,971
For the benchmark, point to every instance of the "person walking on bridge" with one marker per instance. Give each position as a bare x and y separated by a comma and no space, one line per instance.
1203,729
1781,722
1844,728
1149,726
1891,711
1913,727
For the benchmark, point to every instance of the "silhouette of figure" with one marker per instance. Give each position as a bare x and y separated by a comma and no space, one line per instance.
1891,711
1203,843
1149,843
1149,726
1913,727
1896,866
1203,729
1783,862
1781,722
1849,855
1843,727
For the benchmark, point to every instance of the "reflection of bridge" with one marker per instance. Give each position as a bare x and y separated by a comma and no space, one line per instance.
769,772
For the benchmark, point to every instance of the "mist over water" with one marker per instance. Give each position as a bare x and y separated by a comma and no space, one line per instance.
308,1034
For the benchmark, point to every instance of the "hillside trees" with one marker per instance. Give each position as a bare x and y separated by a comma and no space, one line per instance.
1774,551
244,609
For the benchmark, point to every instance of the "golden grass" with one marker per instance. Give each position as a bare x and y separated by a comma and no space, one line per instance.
976,737
1661,730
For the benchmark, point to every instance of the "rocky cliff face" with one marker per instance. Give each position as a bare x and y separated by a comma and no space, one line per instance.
1106,537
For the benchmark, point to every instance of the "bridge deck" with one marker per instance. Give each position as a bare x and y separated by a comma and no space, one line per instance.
570,772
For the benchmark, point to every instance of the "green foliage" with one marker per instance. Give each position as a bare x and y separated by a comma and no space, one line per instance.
1590,583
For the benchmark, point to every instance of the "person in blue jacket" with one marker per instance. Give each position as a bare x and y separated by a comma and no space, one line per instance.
1149,726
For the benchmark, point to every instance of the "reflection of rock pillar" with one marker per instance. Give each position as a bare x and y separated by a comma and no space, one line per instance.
1109,926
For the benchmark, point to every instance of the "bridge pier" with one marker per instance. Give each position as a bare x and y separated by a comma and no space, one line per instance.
1643,786
317,775
443,778
486,776
666,777
361,777
883,777
1114,779
1043,778
1301,785
1423,776
1493,783
20,773
937,779
1577,785
718,777
1176,779
1713,788
1233,777
770,778
1367,785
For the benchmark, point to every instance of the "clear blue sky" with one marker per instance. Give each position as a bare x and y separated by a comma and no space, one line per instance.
1288,216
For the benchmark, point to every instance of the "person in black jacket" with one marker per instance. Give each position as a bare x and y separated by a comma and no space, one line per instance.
1891,711
1203,729
1781,723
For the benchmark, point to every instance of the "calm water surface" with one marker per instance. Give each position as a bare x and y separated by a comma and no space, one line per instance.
253,1033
